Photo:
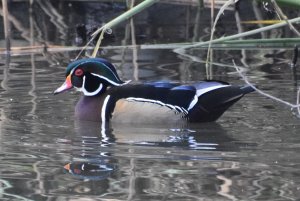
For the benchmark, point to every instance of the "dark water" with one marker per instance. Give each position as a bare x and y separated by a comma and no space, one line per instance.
250,153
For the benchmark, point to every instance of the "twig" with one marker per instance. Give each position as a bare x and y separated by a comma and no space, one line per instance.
6,25
128,14
265,94
221,11
298,99
236,36
98,43
295,57
282,15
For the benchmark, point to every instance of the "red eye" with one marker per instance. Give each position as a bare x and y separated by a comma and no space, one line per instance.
79,72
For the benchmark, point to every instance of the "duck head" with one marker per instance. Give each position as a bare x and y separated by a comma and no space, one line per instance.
91,76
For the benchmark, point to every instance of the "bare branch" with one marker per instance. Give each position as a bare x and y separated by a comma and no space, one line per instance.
265,94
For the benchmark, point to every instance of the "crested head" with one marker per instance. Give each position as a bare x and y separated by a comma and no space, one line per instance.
91,76
96,66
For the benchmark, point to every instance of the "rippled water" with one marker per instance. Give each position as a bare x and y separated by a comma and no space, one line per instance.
250,153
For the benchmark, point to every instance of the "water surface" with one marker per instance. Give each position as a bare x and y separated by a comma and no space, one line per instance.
250,153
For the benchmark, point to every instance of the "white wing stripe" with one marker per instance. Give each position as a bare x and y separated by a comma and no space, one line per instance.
173,107
205,90
200,92
193,103
110,81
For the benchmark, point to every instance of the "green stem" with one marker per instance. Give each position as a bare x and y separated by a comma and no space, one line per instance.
293,3
6,25
128,14
236,36
98,43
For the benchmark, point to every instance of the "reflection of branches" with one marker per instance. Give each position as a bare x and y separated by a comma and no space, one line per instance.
55,17
240,30
263,176
265,94
33,87
134,50
6,24
221,11
6,185
225,187
38,177
4,87
18,25
132,180
32,92
130,33
128,14
283,16
35,32
258,16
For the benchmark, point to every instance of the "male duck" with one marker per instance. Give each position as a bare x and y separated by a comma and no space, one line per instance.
107,97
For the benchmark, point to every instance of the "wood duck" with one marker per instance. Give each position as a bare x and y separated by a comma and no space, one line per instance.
107,98
92,171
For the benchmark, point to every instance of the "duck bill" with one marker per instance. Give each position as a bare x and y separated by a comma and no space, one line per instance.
65,86
67,167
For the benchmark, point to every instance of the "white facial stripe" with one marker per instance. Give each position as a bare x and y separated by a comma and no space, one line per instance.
72,71
110,81
103,111
172,107
99,63
86,93
109,69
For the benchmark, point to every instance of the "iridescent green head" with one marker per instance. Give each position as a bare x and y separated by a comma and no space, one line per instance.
91,76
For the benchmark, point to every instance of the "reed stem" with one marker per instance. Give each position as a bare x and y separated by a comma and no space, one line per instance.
181,50
6,25
128,14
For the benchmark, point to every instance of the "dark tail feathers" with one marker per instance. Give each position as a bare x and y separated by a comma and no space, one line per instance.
247,89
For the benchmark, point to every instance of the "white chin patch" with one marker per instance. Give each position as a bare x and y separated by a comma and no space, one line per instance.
93,93
78,89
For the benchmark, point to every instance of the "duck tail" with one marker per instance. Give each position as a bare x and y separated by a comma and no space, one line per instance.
247,89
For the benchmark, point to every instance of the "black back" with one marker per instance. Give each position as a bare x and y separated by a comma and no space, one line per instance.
210,106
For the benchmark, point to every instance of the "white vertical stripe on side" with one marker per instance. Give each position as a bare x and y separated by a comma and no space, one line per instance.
103,111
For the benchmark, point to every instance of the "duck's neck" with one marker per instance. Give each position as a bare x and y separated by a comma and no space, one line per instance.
88,108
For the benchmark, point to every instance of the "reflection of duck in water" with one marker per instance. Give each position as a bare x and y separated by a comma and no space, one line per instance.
91,171
107,97
193,136
205,136
96,159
